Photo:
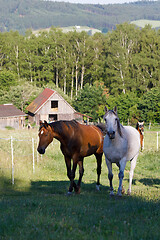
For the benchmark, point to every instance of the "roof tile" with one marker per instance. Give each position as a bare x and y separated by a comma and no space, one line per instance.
40,100
9,110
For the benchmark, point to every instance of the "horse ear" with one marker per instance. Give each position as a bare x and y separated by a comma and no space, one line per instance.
45,123
105,109
40,123
137,126
115,109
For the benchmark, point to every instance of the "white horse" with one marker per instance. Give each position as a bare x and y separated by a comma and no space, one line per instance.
121,144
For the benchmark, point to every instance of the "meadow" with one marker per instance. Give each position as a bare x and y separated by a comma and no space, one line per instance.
143,22
37,207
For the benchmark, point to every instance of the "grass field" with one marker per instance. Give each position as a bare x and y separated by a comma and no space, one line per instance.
143,22
36,206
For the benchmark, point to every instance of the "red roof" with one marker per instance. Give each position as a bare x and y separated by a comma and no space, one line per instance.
84,115
9,110
40,100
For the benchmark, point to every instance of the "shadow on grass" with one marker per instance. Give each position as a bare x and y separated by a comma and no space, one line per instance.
43,187
61,187
45,212
150,181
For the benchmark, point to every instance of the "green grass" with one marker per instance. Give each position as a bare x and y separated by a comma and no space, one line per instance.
143,22
36,206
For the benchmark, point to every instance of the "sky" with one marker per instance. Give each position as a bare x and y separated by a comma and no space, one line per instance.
95,1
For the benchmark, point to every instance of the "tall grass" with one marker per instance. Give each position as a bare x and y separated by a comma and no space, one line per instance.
36,206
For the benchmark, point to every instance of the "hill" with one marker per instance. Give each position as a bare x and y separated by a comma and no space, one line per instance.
34,14
142,22
90,31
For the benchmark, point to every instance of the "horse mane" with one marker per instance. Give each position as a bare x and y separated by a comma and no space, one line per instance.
120,127
102,127
58,126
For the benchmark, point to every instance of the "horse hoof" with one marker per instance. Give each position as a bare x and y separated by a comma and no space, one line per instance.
78,191
98,187
119,194
69,193
111,193
128,192
123,191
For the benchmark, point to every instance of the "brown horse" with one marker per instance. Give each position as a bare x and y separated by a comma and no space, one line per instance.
77,141
140,128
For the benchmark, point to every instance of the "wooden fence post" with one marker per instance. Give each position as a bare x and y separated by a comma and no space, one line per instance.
37,152
33,155
12,161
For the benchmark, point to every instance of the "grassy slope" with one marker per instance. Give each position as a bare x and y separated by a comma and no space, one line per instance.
143,22
36,206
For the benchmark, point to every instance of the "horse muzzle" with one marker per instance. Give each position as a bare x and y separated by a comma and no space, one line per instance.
41,150
111,134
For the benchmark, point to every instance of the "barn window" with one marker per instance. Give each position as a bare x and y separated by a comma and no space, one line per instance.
54,104
52,117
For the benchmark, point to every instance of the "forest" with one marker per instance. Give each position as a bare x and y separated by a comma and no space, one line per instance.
34,14
119,68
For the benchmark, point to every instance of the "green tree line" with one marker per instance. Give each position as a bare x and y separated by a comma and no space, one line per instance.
124,62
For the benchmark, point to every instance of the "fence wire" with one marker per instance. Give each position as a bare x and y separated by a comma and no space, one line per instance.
21,151
151,143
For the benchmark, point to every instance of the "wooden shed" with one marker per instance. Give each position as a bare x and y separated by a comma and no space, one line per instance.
51,106
10,116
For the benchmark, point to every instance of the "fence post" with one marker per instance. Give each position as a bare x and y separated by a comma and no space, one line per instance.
37,152
33,154
157,141
12,161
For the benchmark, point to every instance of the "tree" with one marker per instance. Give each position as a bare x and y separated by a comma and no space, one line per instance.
7,79
146,60
21,96
149,105
119,49
126,105
89,99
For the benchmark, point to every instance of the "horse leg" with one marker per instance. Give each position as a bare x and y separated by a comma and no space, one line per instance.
121,175
141,137
110,176
99,163
133,164
81,172
73,184
70,175
123,190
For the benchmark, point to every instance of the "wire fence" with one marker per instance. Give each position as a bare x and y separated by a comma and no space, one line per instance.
10,149
151,143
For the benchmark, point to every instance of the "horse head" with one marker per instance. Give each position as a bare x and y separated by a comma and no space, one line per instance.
45,136
140,127
112,122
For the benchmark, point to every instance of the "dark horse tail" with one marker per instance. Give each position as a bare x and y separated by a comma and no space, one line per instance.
102,127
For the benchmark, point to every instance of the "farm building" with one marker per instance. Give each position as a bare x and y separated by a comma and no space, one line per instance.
51,106
11,116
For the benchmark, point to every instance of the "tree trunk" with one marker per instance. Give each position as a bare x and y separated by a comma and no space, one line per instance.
72,83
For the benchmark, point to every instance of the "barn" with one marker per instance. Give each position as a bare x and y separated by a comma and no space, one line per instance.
51,106
10,116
